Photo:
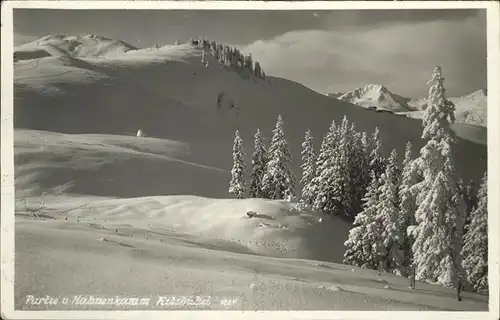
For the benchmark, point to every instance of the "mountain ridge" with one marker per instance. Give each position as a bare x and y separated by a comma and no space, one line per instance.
470,108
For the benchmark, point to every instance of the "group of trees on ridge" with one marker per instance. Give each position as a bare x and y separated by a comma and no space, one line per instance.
418,220
230,57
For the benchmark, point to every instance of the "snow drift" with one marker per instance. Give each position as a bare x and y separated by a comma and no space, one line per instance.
278,229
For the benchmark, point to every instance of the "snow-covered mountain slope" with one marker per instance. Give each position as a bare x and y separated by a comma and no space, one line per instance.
470,109
170,94
376,96
418,104
73,46
87,246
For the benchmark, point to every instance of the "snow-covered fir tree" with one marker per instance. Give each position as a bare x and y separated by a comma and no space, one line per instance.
331,197
360,249
440,215
475,249
407,196
279,180
360,170
237,184
327,146
308,166
439,113
438,234
377,159
326,152
257,69
259,160
249,63
357,171
346,159
390,248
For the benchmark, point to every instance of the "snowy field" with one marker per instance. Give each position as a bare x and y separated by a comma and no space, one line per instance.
185,246
102,212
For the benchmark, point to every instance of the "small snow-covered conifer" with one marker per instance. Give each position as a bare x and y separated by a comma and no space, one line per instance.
237,183
257,69
249,63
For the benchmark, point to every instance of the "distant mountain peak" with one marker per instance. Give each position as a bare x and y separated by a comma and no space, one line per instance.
376,95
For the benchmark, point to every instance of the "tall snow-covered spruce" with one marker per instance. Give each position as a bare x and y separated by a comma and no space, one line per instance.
441,209
237,184
279,180
259,160
475,250
308,166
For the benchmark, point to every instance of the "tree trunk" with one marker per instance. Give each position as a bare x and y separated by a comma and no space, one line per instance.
459,290
412,266
412,276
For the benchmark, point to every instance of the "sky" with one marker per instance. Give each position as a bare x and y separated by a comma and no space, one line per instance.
327,51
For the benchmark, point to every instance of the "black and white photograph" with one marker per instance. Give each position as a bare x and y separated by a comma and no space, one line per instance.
235,158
